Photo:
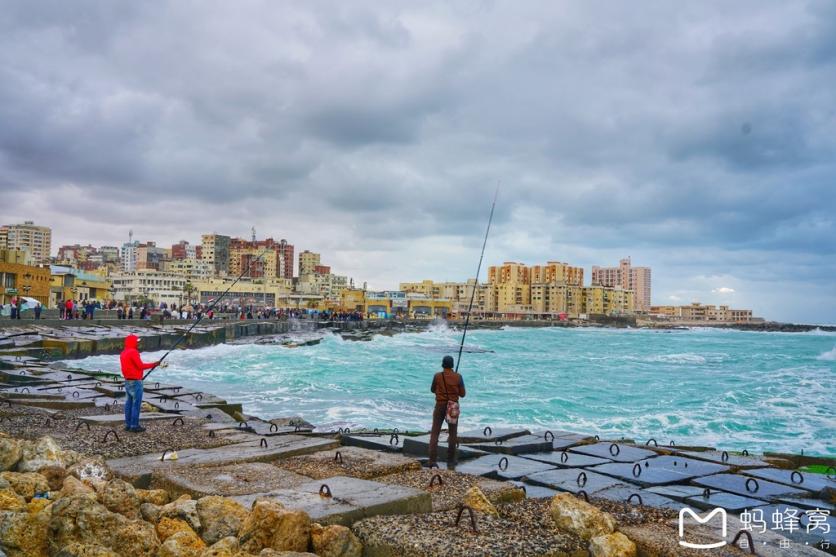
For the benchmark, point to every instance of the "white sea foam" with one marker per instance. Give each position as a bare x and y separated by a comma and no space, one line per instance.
829,356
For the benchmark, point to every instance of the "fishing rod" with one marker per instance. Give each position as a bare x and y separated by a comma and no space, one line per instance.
200,315
476,283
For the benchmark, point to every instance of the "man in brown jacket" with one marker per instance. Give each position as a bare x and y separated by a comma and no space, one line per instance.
447,385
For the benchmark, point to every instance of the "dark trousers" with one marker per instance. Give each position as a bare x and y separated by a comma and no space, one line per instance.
439,413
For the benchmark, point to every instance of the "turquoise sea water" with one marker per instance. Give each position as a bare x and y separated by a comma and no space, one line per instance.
730,389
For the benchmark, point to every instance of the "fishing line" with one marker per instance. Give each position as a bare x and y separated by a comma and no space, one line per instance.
476,283
211,306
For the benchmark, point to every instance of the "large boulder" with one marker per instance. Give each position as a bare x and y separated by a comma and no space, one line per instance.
92,470
11,501
26,485
227,547
476,500
135,538
612,545
24,534
86,550
182,544
167,527
184,508
219,517
335,541
579,517
157,497
40,454
271,526
120,497
73,486
10,453
54,476
150,512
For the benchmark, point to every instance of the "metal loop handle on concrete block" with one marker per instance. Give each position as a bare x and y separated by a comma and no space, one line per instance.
165,452
655,444
436,477
107,434
472,516
157,385
800,477
340,431
745,452
325,491
80,423
394,430
338,457
496,442
211,433
547,435
584,494
724,456
671,443
243,425
176,405
76,394
178,419
375,430
22,371
597,438
176,389
637,496
274,428
263,443
47,422
98,384
24,389
578,480
617,450
706,493
501,460
69,377
198,396
564,457
487,431
394,437
755,482
637,470
433,465
748,539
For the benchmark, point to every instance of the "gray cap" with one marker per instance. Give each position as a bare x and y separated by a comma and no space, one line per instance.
447,362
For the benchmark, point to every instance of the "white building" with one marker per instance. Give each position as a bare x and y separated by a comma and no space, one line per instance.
128,254
191,268
148,284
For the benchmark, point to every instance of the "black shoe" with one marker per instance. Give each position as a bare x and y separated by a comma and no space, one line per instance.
138,429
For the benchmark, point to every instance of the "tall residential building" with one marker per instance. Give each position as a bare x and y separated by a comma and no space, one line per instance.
128,256
34,240
626,277
185,250
308,262
555,272
149,256
261,258
215,251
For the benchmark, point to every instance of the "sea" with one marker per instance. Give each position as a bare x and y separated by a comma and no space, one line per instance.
723,388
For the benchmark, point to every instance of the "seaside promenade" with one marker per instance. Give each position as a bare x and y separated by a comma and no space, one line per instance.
207,479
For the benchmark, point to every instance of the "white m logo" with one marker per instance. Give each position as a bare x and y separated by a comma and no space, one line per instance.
700,520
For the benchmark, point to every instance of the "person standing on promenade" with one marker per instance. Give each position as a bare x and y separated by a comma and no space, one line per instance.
37,310
132,368
448,386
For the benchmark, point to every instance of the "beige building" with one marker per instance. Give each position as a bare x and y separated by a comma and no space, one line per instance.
555,272
308,262
215,252
18,278
191,268
34,240
702,313
148,285
626,277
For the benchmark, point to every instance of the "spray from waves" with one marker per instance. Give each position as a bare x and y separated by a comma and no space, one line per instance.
829,356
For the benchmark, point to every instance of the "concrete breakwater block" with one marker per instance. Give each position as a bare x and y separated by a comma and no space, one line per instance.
535,491
420,446
799,534
793,478
350,499
638,497
355,462
809,503
659,470
387,442
723,457
516,445
488,434
617,452
138,469
502,467
574,480
114,390
227,481
119,419
65,404
729,501
677,492
750,487
172,405
268,429
566,459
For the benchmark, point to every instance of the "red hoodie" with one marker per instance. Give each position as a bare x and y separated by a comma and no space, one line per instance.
132,364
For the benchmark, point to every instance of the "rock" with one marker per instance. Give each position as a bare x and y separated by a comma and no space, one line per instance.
182,544
274,553
227,547
120,497
24,534
184,508
11,501
220,517
579,517
612,545
10,452
156,496
167,527
150,512
26,485
4,483
135,538
92,470
86,550
271,526
73,486
475,499
40,454
38,504
335,541
54,476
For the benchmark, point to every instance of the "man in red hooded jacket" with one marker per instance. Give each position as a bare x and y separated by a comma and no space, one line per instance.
132,370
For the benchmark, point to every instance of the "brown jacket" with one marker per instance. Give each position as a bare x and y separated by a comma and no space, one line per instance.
447,385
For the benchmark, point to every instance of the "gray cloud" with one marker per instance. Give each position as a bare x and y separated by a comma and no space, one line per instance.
376,133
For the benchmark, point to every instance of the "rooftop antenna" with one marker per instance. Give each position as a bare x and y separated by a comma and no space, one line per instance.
131,236
253,234
476,284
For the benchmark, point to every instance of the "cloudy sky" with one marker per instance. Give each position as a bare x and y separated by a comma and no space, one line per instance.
698,138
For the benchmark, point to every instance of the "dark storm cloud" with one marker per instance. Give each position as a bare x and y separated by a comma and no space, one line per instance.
365,129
